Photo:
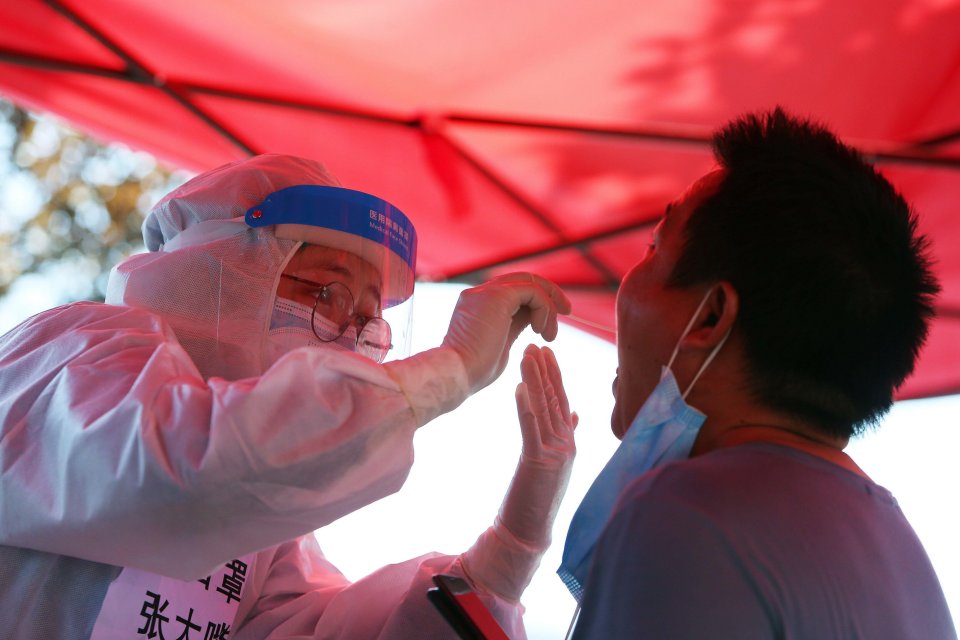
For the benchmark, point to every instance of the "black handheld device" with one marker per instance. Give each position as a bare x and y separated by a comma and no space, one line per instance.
463,609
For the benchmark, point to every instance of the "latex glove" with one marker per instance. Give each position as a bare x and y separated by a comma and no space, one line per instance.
507,555
547,425
488,318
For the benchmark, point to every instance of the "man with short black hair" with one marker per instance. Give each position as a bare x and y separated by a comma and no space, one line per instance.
784,299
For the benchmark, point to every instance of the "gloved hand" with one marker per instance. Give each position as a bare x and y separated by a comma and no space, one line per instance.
506,556
488,318
547,425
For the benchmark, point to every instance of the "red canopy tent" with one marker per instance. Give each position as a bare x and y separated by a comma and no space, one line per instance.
527,135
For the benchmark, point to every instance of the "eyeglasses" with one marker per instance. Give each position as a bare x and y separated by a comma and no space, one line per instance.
335,303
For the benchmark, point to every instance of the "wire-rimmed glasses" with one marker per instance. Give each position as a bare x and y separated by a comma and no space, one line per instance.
334,302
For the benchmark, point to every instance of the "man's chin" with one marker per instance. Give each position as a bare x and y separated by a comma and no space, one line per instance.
616,426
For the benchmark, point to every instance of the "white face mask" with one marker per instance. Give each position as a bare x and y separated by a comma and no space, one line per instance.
663,430
290,329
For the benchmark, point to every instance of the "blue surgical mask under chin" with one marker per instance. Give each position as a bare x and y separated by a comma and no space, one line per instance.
663,431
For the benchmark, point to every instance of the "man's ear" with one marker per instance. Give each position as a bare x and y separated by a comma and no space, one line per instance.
716,318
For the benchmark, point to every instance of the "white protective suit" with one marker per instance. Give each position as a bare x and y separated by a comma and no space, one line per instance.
148,433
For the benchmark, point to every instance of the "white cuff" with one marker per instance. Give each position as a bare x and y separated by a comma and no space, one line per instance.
500,563
434,382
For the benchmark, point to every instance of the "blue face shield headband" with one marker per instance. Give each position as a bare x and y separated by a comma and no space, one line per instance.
663,430
353,221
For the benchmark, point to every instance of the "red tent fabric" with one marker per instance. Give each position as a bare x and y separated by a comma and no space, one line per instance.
525,135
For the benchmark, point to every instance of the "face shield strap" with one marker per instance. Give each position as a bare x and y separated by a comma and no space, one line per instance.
276,277
203,233
346,219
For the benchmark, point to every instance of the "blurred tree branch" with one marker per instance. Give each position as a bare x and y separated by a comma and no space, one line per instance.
70,207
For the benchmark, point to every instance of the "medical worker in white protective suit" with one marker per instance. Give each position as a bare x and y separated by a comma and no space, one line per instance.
166,456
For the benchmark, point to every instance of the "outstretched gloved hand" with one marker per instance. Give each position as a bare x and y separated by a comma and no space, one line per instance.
547,424
505,557
488,318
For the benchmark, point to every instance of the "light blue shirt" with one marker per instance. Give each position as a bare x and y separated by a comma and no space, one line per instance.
760,541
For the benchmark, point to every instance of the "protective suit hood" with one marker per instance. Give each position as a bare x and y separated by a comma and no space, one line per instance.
212,277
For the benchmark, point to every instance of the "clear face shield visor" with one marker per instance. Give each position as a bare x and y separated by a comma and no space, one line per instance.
354,275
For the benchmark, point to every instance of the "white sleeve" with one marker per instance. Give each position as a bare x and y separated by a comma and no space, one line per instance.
114,449
300,594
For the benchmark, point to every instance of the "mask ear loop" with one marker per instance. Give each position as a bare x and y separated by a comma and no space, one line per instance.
713,354
219,301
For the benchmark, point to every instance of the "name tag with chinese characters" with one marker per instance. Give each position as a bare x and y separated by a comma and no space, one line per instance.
140,604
